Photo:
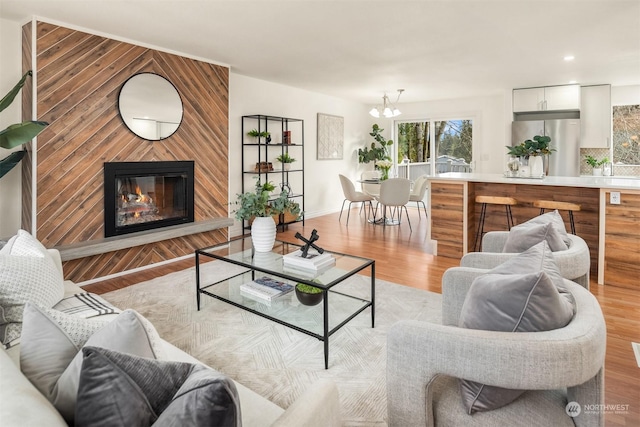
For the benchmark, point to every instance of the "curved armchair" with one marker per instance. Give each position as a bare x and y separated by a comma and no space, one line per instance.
558,366
352,196
417,192
574,263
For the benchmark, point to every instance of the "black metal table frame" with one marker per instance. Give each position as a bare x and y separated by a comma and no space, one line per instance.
325,293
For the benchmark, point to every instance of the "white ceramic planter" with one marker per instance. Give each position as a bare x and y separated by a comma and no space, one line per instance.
286,166
597,171
536,165
263,233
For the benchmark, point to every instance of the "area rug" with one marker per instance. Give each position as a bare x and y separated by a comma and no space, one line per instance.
273,360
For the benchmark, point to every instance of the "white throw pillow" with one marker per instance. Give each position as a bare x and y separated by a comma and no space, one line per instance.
27,273
50,353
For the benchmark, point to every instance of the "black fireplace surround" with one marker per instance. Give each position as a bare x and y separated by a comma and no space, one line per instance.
142,196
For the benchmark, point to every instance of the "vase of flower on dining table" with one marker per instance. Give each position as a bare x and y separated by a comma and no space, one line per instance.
384,166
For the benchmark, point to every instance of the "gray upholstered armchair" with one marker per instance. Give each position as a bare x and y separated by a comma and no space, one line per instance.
558,366
574,263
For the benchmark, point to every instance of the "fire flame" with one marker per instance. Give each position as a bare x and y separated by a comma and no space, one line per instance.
142,198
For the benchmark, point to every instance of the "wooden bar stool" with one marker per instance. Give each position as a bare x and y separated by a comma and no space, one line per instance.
561,206
492,200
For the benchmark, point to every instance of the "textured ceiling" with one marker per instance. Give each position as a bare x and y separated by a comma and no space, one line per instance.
357,49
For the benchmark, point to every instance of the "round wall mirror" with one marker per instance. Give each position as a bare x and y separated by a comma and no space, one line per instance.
150,106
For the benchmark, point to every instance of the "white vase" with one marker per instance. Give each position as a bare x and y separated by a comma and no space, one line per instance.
263,233
536,165
597,171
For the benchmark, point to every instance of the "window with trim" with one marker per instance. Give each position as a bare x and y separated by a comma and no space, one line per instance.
626,134
453,143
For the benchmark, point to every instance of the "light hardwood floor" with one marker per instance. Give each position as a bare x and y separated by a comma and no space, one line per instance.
402,256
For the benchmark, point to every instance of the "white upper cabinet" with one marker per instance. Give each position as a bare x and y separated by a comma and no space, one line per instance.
595,116
550,98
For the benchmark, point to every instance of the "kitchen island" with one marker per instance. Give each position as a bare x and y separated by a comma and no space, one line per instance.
612,231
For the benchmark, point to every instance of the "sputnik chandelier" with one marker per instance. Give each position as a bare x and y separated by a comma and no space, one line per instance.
388,109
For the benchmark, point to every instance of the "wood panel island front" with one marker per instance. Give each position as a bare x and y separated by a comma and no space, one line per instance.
612,231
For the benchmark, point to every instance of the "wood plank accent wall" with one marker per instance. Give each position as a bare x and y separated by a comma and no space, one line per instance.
79,76
447,217
622,241
586,221
27,114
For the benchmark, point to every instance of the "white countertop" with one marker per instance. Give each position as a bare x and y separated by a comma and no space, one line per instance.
561,181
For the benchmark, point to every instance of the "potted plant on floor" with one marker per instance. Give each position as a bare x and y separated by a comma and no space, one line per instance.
286,161
254,207
373,152
596,164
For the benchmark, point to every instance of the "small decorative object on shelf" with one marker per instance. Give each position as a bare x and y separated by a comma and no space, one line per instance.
264,167
308,295
286,137
266,288
303,258
309,242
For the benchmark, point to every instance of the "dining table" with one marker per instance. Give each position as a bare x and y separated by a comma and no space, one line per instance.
372,188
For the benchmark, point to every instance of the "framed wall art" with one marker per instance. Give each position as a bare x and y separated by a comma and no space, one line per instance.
330,137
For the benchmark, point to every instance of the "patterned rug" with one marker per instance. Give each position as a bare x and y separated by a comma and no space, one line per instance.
275,361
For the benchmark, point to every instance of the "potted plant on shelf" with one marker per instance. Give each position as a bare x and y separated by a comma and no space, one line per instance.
286,161
596,164
254,133
254,206
308,295
288,208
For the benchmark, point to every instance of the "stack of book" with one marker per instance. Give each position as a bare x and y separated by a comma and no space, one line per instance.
265,288
314,261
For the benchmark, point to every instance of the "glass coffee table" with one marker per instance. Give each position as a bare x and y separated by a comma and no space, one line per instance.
342,299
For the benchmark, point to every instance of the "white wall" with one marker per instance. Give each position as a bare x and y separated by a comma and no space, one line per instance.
323,193
10,73
625,95
491,129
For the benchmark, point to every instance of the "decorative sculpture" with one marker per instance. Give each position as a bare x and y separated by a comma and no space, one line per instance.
309,243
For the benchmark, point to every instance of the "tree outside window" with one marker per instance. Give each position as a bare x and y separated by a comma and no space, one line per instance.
626,134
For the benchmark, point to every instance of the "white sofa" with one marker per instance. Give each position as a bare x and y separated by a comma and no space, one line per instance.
21,404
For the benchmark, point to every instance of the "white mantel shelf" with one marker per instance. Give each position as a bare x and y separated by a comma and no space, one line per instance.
561,181
114,243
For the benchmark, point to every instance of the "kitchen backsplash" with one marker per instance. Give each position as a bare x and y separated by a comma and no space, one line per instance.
599,153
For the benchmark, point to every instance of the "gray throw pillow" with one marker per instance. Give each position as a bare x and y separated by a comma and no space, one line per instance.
555,219
120,390
523,236
523,302
50,354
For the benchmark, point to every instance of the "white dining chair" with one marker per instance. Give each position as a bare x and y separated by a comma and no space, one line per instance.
394,194
353,196
418,191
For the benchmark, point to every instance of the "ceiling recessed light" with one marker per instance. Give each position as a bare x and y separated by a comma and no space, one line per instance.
569,58
572,82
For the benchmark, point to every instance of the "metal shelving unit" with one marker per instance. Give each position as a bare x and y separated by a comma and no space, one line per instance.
258,150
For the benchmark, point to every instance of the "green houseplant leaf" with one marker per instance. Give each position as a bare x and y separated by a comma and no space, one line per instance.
10,162
18,134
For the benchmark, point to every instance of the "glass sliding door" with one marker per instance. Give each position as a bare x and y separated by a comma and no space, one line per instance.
413,144
451,140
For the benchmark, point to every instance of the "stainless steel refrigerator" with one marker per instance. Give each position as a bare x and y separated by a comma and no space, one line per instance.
565,139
